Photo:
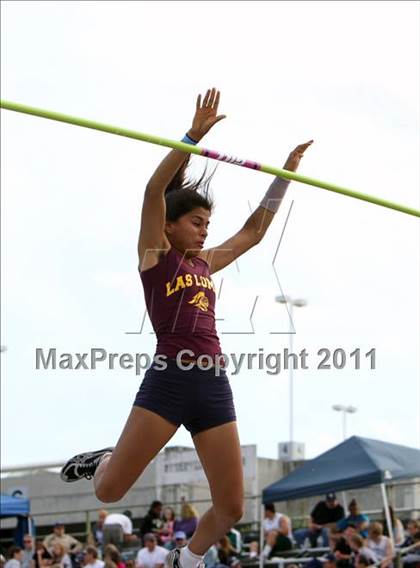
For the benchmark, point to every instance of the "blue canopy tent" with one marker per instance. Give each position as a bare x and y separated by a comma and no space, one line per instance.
355,463
19,507
13,506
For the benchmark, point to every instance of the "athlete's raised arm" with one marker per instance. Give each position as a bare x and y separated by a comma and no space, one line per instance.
258,222
152,240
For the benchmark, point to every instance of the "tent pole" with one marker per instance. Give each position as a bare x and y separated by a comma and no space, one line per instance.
343,495
387,515
261,548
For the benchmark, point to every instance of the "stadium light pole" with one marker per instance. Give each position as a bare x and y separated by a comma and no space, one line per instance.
345,410
291,303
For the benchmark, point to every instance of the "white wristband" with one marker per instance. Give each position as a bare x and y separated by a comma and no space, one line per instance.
275,194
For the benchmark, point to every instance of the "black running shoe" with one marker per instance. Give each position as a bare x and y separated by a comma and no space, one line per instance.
83,465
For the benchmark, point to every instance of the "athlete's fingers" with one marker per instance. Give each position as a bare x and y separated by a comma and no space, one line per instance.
302,147
216,102
206,98
198,103
211,101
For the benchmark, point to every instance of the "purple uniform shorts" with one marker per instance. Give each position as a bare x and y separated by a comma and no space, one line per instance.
196,398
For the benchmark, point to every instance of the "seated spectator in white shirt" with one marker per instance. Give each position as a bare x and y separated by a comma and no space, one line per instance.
118,529
277,532
16,557
91,558
152,555
380,545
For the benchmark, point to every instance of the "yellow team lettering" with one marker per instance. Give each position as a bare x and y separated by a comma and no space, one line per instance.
188,280
179,283
169,290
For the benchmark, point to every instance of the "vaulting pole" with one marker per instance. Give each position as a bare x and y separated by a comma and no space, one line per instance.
204,152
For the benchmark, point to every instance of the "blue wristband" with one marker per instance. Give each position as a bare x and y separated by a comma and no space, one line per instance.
188,140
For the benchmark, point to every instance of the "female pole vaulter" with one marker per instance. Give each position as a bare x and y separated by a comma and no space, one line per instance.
175,271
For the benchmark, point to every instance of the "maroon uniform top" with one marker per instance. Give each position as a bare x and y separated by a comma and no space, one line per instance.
180,301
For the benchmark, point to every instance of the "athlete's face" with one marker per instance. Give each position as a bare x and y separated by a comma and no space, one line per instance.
189,232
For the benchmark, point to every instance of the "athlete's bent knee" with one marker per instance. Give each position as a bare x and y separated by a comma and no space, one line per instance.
232,511
108,494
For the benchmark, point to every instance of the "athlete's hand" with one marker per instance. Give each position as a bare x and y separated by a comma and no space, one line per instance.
205,114
292,162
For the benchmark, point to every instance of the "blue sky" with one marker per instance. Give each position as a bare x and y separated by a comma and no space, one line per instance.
342,73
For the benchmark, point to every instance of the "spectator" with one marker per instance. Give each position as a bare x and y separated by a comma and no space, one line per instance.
59,536
359,548
235,538
118,529
152,555
98,528
91,558
412,559
277,532
412,528
324,515
342,550
226,553
380,545
59,556
188,521
356,518
28,551
112,557
180,539
166,533
153,521
16,556
397,526
41,557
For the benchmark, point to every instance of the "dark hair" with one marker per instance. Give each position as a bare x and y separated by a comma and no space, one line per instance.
269,507
92,550
363,560
183,194
14,550
393,520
